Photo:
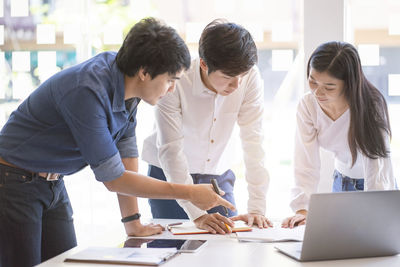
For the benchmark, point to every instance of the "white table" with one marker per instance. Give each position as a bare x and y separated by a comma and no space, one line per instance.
228,251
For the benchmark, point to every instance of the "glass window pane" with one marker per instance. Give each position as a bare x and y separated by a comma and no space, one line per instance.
394,24
46,34
46,65
3,80
1,34
113,34
394,84
1,8
282,60
369,54
71,33
19,8
383,57
21,61
282,31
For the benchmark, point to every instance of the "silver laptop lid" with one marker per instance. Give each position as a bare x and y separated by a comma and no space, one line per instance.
352,224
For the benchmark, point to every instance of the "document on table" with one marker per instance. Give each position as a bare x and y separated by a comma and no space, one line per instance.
189,228
139,256
275,234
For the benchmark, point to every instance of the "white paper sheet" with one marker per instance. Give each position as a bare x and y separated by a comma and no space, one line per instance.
275,234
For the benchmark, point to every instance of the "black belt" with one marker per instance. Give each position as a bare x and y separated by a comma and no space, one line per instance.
43,175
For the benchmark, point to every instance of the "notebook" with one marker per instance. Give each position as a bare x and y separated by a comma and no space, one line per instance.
137,256
189,228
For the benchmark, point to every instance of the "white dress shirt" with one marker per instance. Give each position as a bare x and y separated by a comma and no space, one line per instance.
193,127
314,130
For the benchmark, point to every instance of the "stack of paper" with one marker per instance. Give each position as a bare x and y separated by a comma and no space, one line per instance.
189,228
275,234
140,256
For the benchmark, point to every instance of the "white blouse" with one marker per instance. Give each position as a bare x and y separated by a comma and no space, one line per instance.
193,127
314,130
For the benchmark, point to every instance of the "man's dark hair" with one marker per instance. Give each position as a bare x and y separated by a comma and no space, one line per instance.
227,47
155,47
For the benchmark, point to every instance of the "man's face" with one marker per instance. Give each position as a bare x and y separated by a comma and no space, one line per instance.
224,84
220,82
159,86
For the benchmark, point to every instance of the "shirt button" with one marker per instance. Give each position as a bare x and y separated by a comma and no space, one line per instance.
212,141
215,119
208,160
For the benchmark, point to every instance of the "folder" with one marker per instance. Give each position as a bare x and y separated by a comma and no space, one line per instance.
189,228
130,256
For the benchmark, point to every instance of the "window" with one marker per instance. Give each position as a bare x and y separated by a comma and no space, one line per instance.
378,42
41,37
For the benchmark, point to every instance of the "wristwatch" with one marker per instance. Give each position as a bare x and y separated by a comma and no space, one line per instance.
131,218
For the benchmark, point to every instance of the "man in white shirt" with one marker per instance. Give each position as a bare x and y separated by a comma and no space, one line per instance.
195,122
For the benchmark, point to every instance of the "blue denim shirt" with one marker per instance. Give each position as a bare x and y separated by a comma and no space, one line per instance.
76,118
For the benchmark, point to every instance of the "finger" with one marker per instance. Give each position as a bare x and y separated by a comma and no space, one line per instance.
210,229
221,192
294,221
157,229
225,203
303,222
159,225
221,221
259,221
270,224
156,226
266,222
219,218
285,223
250,220
217,228
238,218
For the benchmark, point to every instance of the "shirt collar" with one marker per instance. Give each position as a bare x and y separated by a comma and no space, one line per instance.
118,104
198,86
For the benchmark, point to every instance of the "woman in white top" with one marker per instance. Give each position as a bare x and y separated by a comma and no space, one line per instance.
345,114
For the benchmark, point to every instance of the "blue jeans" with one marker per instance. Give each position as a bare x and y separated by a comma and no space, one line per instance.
161,208
343,183
35,218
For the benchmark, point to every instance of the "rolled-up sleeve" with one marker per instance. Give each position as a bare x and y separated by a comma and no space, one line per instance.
86,118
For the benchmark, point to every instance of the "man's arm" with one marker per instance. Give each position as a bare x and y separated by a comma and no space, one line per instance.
250,121
129,206
135,184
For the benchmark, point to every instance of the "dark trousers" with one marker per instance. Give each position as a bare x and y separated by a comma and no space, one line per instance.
35,218
170,209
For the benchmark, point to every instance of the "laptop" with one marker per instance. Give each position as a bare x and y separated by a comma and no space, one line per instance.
349,225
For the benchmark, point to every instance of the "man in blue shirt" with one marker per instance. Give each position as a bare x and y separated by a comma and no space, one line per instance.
85,115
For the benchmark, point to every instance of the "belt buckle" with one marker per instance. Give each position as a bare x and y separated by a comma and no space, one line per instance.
52,176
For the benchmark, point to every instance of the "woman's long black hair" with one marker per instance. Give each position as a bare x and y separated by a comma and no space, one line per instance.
369,118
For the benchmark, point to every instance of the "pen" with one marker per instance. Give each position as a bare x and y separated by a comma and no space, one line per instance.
216,189
168,226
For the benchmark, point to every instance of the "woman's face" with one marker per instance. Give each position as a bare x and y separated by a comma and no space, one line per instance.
327,89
